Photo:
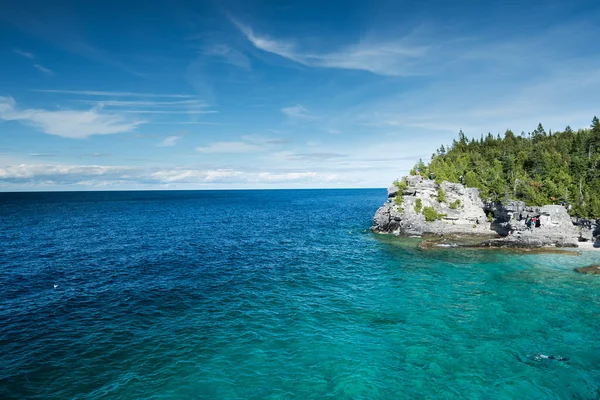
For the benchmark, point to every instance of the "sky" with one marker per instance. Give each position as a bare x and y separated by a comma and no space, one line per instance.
135,95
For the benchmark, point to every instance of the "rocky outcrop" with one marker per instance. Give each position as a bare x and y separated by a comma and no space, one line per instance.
589,230
460,212
524,226
420,207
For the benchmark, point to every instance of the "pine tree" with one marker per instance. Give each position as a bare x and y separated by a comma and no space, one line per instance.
533,168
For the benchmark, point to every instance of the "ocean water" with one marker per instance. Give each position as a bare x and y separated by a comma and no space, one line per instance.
277,295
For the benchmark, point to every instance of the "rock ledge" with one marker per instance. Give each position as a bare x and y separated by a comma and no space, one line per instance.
458,210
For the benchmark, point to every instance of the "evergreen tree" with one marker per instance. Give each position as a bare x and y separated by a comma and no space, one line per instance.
534,168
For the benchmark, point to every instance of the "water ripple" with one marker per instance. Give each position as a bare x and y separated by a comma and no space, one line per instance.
272,295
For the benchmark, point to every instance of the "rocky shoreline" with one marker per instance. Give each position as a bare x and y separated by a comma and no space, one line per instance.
420,207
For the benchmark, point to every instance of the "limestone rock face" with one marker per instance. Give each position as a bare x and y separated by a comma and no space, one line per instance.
466,216
553,225
589,230
462,212
392,191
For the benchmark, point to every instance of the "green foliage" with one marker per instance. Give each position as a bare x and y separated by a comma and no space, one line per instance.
533,167
431,215
399,199
441,195
418,205
470,180
455,204
401,185
424,169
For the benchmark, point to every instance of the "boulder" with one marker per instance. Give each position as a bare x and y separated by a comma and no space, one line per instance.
589,230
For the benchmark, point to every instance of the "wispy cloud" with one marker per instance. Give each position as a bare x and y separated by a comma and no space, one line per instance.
169,141
393,58
67,37
44,155
135,103
25,54
43,69
264,140
297,112
72,124
229,148
37,66
169,111
116,94
312,157
98,175
54,155
189,122
229,55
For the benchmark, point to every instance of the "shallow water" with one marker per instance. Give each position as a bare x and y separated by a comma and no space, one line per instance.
276,294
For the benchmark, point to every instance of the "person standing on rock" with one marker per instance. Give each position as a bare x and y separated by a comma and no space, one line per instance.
530,224
461,179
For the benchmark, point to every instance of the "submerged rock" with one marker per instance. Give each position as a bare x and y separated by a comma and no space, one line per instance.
592,269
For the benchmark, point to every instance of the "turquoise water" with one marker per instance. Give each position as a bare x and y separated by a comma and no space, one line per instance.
276,295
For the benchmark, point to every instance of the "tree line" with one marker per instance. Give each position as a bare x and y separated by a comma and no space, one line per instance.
538,167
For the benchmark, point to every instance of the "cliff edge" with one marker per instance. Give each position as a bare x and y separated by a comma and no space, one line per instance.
420,207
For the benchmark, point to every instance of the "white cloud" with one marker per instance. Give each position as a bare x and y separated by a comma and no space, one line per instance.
393,58
229,147
229,55
72,124
38,170
115,94
43,69
170,141
25,54
97,175
315,157
194,175
140,103
266,140
291,176
297,111
169,111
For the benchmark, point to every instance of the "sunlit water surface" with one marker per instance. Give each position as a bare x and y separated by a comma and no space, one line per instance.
276,295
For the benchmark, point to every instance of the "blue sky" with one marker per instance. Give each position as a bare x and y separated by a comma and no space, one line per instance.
103,95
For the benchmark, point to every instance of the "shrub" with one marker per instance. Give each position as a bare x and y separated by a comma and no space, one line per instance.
441,197
399,199
432,215
455,204
401,185
418,205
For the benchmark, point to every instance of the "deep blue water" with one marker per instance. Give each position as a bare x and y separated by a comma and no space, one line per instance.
276,295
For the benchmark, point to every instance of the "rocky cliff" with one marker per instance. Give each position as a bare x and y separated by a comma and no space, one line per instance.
406,217
419,207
